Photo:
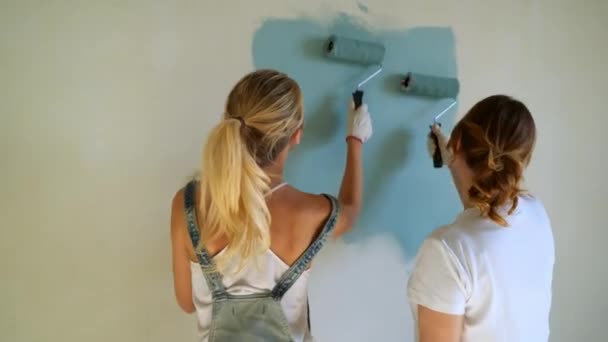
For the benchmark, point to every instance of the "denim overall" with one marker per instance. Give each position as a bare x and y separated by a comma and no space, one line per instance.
255,317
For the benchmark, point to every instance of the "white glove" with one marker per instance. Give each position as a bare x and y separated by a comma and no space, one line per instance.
359,123
446,154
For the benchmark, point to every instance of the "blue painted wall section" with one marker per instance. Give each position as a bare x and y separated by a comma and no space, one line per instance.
404,195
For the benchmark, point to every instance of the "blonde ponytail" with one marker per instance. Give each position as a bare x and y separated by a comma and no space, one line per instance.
232,200
263,112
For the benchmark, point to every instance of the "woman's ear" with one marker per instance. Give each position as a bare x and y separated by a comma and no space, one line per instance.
457,146
454,144
296,137
453,148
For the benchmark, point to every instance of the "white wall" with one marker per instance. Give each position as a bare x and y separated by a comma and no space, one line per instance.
104,106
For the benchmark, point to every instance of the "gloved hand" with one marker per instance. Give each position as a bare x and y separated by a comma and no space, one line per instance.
359,123
446,154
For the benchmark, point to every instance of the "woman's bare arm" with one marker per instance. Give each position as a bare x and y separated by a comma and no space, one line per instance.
182,284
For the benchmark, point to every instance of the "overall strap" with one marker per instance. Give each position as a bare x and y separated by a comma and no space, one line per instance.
212,276
296,270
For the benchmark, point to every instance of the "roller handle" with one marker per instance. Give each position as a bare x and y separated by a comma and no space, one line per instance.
358,98
437,160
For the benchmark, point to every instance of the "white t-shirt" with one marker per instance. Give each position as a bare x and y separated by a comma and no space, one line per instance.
499,278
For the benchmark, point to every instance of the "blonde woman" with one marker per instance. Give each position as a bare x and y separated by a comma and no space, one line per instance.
242,238
487,276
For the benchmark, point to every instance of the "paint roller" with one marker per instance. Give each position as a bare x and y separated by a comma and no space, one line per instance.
355,51
432,87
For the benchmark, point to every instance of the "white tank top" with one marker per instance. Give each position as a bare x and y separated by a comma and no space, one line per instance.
253,280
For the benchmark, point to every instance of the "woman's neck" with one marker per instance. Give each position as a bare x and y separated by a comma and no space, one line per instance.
463,180
275,172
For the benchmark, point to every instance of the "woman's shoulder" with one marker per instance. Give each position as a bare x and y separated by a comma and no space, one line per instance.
452,232
310,204
177,203
532,201
463,235
178,206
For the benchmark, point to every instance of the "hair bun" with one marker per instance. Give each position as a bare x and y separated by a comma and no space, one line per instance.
495,161
496,138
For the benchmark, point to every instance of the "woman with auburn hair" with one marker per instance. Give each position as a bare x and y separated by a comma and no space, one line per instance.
242,238
487,276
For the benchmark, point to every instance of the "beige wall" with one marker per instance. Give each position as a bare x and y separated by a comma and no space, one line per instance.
94,95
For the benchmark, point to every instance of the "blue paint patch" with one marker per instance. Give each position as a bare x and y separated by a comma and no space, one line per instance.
363,7
404,195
